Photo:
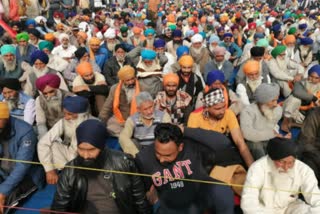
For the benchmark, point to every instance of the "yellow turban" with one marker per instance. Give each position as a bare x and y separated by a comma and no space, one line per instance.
126,72
169,78
186,61
83,35
94,41
84,68
4,110
251,67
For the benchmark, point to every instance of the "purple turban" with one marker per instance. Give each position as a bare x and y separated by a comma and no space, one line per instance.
51,80
159,43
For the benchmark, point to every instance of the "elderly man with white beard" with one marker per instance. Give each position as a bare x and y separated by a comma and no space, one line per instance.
20,105
59,146
305,95
65,50
199,52
149,34
253,78
39,61
284,70
258,121
49,102
9,68
166,58
219,63
293,53
274,183
24,49
110,41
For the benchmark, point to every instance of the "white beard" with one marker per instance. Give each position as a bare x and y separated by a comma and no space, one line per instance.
282,64
22,50
253,84
69,126
313,88
197,50
150,42
290,52
12,103
268,113
110,46
40,73
10,66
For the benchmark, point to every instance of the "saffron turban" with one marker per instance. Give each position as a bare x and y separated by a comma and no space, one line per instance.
83,35
94,41
39,55
51,80
84,68
136,30
186,61
4,110
170,78
251,67
49,37
290,39
5,49
22,36
126,72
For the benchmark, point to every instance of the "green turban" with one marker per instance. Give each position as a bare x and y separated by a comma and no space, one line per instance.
22,36
292,30
45,45
123,29
172,27
5,49
278,50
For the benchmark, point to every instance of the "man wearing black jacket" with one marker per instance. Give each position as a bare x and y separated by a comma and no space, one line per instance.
173,157
92,191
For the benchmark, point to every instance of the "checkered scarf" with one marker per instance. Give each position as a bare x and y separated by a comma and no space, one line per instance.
213,97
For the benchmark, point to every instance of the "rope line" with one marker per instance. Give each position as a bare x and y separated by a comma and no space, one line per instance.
157,176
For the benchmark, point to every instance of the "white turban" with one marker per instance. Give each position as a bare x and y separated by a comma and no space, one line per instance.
63,36
196,38
38,19
83,26
110,34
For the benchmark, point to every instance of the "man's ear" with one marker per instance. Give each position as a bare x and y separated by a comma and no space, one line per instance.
180,148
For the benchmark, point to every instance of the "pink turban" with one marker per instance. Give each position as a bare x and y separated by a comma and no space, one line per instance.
219,51
51,80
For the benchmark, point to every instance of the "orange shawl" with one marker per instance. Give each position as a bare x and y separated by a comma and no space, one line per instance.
116,102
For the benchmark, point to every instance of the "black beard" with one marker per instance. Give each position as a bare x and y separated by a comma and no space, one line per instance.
179,42
89,82
185,74
96,163
171,93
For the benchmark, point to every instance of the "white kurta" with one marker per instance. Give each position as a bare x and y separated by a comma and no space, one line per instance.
262,192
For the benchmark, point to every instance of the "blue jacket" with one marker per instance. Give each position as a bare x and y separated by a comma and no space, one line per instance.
233,48
101,57
22,146
27,57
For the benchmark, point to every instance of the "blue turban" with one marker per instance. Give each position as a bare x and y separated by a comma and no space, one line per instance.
93,132
177,33
42,56
149,31
189,33
146,21
227,35
302,26
276,28
258,36
215,75
129,24
181,50
306,41
159,43
75,104
315,68
203,34
30,22
214,38
147,54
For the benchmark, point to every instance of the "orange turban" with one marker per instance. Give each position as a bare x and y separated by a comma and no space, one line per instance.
49,37
60,26
190,19
203,19
4,110
94,41
82,35
84,68
251,67
170,77
224,18
171,18
186,60
290,39
126,72
136,30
